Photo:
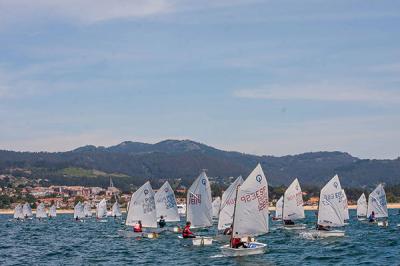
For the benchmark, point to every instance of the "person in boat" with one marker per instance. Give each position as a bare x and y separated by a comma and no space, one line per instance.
288,222
186,233
76,218
137,228
322,227
162,222
371,217
237,243
228,231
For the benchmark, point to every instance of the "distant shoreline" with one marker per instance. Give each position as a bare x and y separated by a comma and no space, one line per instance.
307,208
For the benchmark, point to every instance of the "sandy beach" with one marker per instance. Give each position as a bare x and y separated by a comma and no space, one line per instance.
307,208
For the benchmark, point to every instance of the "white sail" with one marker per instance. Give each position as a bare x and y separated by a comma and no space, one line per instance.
251,210
27,210
346,215
101,211
166,204
199,205
142,207
116,211
53,211
377,203
362,206
330,210
216,205
18,213
87,209
78,211
279,208
293,208
228,204
41,211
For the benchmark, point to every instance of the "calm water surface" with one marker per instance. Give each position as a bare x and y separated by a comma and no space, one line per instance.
62,241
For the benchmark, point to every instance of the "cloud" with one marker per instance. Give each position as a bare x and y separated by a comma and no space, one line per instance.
321,93
93,11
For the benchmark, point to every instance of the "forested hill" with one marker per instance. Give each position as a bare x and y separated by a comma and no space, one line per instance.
184,159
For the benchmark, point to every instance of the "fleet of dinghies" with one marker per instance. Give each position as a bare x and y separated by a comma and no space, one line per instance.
242,210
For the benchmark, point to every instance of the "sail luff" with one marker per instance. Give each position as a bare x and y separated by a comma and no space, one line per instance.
228,204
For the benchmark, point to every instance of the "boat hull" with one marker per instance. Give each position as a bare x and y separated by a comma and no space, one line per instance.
331,233
200,240
295,227
255,248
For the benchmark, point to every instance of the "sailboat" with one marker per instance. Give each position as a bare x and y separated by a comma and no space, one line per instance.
330,210
78,211
293,208
250,214
27,210
116,211
377,203
216,205
362,207
346,215
166,204
18,213
87,210
199,207
278,210
53,211
41,211
228,204
142,208
101,211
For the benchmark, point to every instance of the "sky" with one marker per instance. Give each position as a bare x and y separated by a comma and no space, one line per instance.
263,77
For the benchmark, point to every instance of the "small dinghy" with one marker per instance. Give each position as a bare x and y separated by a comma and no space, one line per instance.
27,211
330,210
278,210
87,209
166,204
377,203
101,211
41,211
292,207
216,206
116,210
199,206
18,212
53,211
250,216
253,248
78,211
199,240
346,215
362,207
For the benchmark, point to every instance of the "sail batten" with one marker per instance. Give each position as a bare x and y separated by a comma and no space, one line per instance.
166,204
199,202
142,207
293,208
228,204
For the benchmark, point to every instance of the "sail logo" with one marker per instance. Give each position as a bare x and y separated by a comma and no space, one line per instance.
166,190
146,191
194,199
203,181
335,184
148,205
170,201
259,178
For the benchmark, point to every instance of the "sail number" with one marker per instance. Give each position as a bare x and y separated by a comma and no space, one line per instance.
260,195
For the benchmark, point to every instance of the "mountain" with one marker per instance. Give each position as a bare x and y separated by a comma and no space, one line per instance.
135,162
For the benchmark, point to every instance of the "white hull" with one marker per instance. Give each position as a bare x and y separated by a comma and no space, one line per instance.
200,240
383,223
125,233
254,248
295,227
325,234
362,218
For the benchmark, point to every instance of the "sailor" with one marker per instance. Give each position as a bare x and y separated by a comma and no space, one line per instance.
288,222
237,243
322,228
138,227
371,217
162,222
186,233
228,231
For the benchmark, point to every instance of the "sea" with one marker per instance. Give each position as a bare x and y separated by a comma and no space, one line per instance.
63,241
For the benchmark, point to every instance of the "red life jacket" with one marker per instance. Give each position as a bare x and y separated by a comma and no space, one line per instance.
186,231
235,242
137,228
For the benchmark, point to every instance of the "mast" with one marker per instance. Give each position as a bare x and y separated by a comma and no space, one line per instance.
234,210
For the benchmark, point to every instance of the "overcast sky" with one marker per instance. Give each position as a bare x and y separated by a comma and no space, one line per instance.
266,77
